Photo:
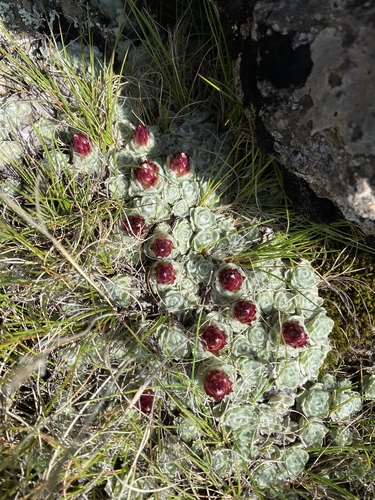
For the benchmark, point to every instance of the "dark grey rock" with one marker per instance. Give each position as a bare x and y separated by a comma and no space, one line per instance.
309,69
67,18
31,16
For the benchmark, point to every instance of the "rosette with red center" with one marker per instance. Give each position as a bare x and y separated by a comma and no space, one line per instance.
82,144
147,174
179,164
244,311
134,225
294,334
162,247
213,339
141,136
146,401
217,384
231,279
165,273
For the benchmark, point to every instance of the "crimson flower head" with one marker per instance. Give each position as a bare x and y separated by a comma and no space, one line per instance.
162,247
231,279
141,135
179,164
82,144
146,401
217,384
294,334
165,273
134,225
147,174
213,339
244,311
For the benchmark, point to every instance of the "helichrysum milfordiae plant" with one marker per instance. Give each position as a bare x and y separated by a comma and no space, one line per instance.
258,337
251,341
255,340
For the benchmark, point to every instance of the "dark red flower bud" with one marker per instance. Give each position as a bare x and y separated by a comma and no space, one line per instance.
230,279
217,385
134,225
147,174
165,273
244,311
294,334
213,339
179,164
82,144
162,247
146,401
141,135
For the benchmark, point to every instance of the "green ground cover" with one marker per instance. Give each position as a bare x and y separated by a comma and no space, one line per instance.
170,327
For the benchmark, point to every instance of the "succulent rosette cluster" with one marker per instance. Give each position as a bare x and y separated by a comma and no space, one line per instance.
250,339
253,339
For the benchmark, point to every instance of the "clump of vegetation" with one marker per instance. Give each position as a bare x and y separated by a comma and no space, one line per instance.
164,334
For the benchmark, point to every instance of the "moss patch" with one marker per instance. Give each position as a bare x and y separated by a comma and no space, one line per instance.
349,300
